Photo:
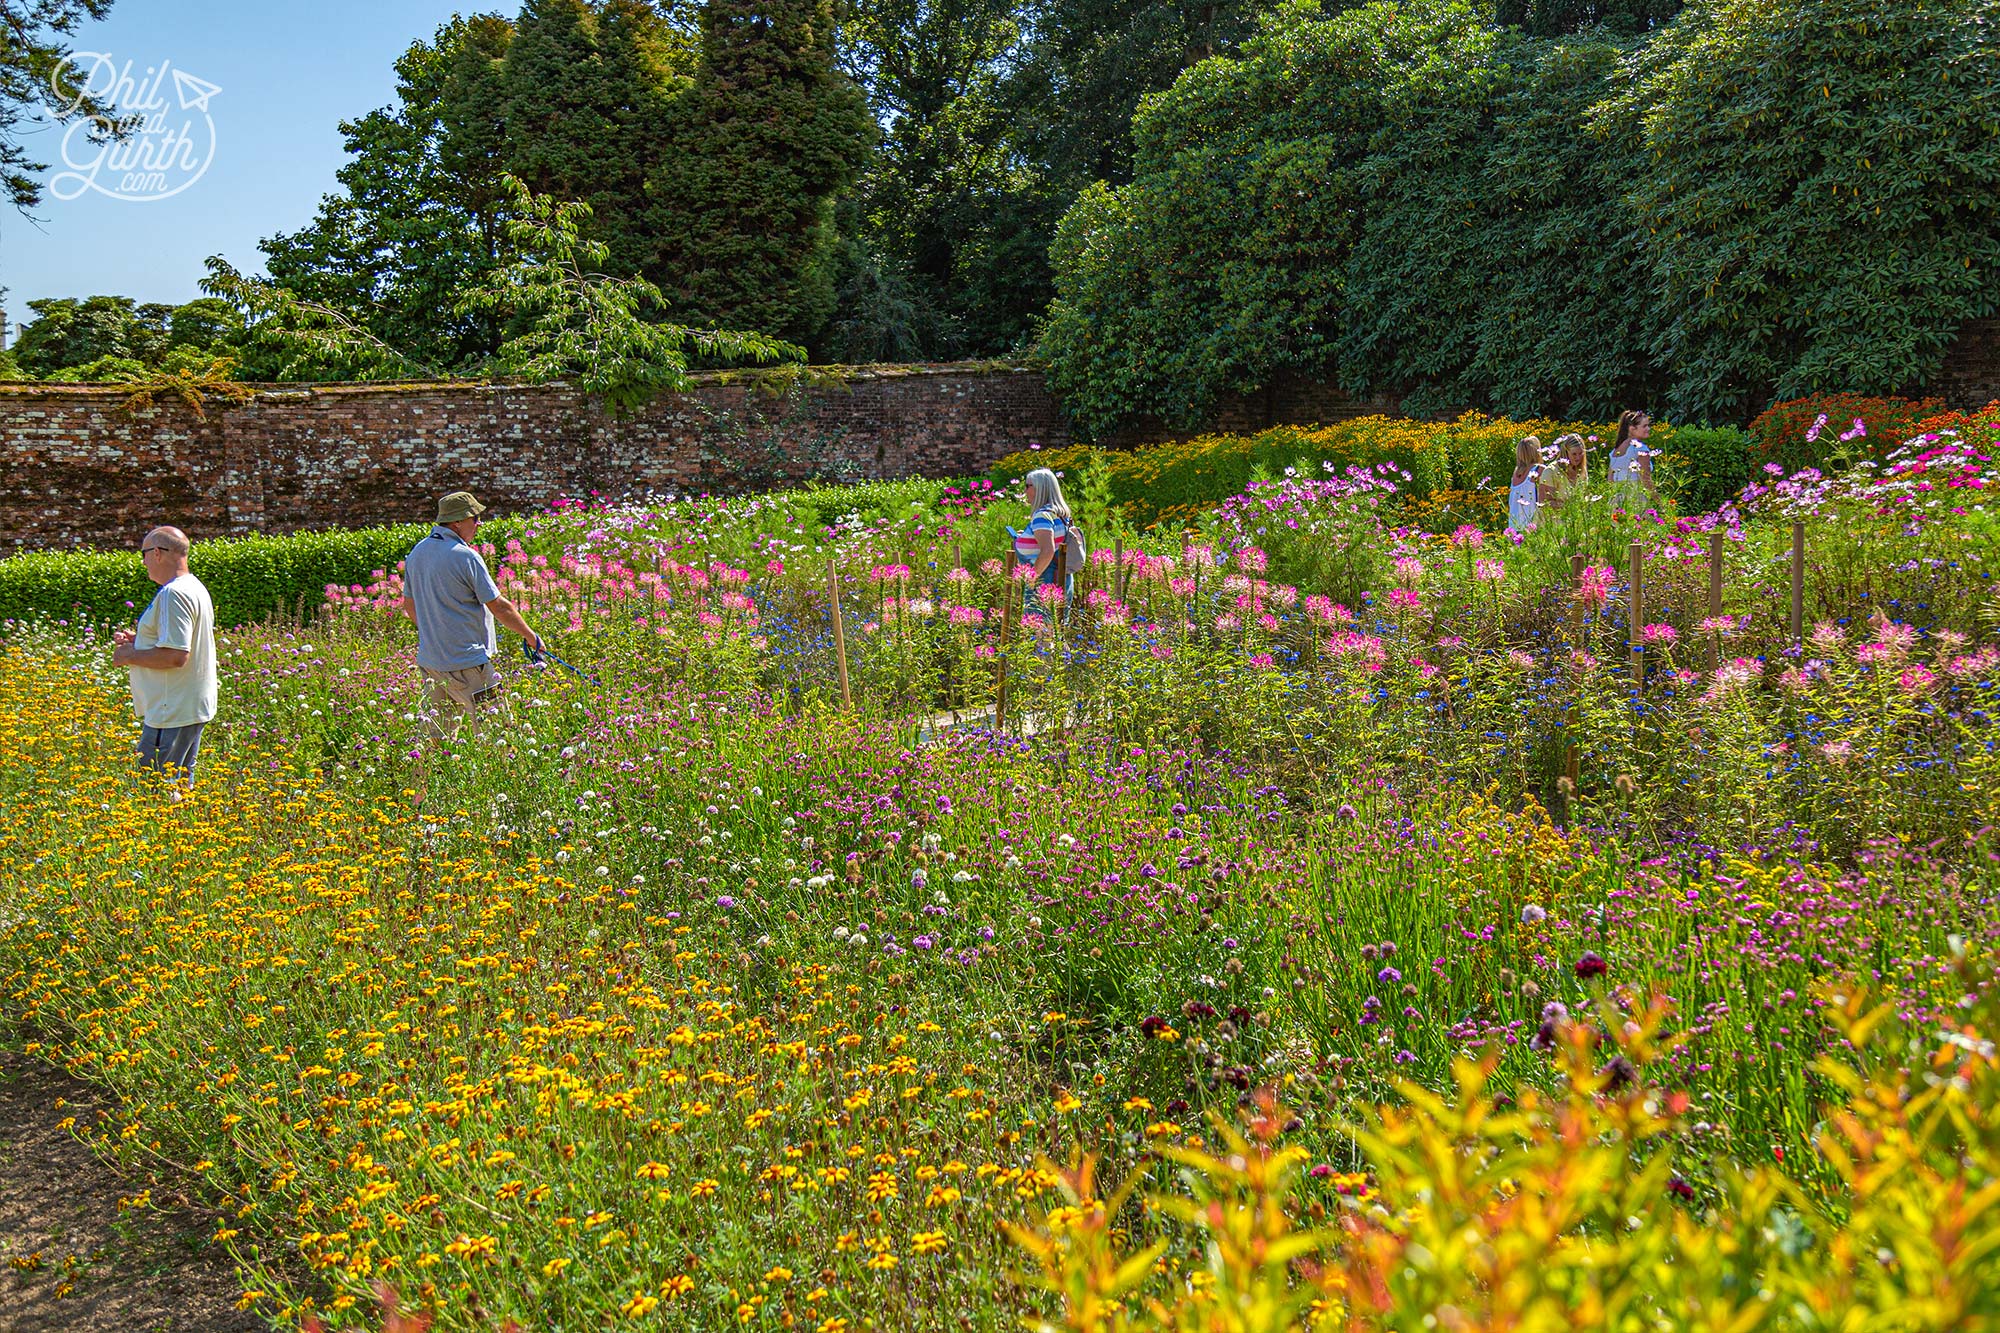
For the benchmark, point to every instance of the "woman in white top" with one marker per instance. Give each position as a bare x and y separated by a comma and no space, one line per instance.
1523,497
1631,461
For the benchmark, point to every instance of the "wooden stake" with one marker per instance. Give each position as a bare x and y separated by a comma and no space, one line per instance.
1636,560
1009,599
1714,598
1798,581
1118,568
1576,564
839,633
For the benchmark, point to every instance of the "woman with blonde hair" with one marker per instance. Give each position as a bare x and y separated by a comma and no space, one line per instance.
1572,469
1046,536
1523,492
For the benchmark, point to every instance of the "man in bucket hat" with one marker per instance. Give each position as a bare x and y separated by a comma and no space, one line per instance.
452,598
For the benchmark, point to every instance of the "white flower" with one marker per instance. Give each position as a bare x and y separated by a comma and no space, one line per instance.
603,871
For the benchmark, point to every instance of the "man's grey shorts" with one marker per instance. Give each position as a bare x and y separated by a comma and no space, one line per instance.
176,747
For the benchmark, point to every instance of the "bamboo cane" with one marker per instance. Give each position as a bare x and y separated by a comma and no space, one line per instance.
1636,561
839,633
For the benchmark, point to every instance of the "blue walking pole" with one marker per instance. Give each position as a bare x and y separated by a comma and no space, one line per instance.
540,656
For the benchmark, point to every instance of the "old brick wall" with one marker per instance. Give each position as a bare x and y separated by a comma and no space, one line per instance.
78,468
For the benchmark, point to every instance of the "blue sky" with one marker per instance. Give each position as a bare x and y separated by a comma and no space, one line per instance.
289,72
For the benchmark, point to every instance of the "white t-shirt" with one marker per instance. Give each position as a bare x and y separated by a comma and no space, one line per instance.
179,616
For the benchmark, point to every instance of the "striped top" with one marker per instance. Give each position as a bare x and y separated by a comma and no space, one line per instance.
1027,546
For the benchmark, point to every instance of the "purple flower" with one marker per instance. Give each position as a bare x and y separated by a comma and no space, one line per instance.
725,902
1388,976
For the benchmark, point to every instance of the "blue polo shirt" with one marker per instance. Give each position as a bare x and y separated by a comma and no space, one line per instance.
448,588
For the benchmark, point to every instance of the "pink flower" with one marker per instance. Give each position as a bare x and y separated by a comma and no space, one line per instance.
1263,662
1915,680
1719,625
1050,594
1659,634
1732,676
1409,571
1252,559
1489,571
991,569
1404,599
1468,535
1593,586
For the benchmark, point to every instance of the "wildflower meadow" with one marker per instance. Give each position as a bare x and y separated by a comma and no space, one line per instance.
1310,919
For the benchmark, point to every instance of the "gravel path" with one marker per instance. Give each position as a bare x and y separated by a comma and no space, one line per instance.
73,1261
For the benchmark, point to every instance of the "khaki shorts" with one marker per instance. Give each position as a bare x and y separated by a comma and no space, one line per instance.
465,688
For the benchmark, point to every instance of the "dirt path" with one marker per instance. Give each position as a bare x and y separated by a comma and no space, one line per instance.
70,1260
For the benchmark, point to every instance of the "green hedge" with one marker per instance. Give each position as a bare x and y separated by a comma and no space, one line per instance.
249,577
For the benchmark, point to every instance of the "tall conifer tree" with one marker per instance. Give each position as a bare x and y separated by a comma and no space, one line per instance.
772,134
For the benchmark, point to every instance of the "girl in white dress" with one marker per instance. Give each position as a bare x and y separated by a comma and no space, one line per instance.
1523,493
1631,460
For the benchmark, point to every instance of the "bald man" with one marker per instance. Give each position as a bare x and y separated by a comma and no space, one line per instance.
172,659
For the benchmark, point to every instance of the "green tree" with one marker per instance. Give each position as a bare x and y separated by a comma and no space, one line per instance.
603,334
67,333
940,201
38,80
589,106
1821,197
1495,265
771,136
1557,18
418,218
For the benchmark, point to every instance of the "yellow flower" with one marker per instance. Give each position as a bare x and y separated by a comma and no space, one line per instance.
653,1171
779,1274
928,1242
554,1267
701,1189
883,1261
639,1306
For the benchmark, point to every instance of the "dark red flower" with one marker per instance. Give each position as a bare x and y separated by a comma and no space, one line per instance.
1592,965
